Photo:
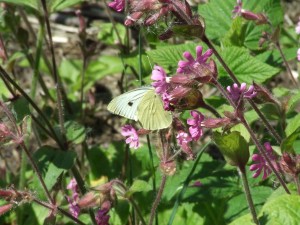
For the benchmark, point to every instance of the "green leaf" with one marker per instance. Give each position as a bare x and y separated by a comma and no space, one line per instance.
107,33
246,67
58,5
33,4
245,220
75,132
52,163
20,109
234,148
273,57
282,210
293,124
138,186
169,56
288,142
217,15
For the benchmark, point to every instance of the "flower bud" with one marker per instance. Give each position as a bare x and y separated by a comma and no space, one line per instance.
5,208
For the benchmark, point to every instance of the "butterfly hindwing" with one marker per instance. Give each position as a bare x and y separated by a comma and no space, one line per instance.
126,104
151,113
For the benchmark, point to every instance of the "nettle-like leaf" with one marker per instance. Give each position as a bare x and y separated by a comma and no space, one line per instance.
168,56
246,67
218,17
284,209
75,132
52,163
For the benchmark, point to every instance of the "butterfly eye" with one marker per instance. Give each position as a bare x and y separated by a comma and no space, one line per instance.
130,103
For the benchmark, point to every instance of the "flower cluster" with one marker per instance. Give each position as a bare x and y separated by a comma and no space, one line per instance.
237,93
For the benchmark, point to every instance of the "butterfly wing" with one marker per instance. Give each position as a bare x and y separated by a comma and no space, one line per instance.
126,104
151,112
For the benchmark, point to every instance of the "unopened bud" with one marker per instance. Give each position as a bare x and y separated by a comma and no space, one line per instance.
5,208
90,200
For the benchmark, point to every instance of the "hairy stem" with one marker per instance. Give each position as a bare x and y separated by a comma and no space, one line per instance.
157,199
243,175
56,78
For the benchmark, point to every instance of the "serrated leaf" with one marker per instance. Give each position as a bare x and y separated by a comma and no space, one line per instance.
288,142
293,124
282,210
75,132
217,15
293,101
245,220
20,109
52,163
246,67
273,57
234,147
169,56
138,186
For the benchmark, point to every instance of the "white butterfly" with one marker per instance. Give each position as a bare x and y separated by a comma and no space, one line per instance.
143,105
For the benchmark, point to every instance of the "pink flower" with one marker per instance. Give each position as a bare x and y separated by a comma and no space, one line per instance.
197,184
167,102
236,92
184,66
298,54
101,217
183,139
195,128
261,164
73,185
73,207
160,80
237,9
117,5
297,28
132,136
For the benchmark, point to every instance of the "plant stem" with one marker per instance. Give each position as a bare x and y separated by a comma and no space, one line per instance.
62,211
243,175
157,199
186,183
38,173
55,74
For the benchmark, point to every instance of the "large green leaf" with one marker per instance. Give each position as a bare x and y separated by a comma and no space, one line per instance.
218,17
282,210
52,163
33,4
169,56
246,67
293,124
75,132
57,5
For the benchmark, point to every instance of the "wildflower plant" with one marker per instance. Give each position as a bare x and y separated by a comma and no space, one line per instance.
209,91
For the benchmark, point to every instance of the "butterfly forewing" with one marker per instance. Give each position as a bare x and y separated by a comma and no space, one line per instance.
126,104
151,113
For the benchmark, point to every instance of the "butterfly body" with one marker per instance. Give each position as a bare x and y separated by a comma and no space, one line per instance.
143,105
